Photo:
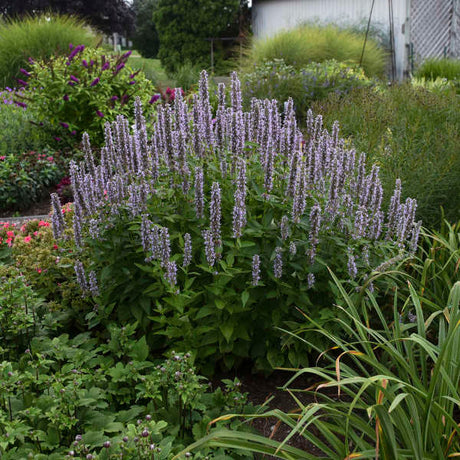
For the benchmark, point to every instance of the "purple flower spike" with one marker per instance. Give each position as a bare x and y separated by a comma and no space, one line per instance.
154,98
64,125
127,54
114,98
105,66
31,61
95,82
132,82
74,78
73,133
21,104
255,269
119,67
99,114
71,83
24,71
84,63
22,82
70,46
57,139
66,97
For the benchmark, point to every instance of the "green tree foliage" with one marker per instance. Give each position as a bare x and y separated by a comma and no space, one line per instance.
145,37
105,15
184,25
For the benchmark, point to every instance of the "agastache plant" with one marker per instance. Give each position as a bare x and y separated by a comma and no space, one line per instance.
253,157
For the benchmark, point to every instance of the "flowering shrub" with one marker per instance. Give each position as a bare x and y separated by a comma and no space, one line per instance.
83,90
25,177
276,79
214,232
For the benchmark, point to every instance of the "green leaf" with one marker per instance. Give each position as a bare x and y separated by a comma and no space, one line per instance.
244,298
140,350
227,330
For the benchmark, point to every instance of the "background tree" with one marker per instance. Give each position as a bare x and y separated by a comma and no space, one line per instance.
107,16
145,37
184,25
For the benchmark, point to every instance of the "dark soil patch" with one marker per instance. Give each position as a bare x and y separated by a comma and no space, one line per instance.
41,208
268,389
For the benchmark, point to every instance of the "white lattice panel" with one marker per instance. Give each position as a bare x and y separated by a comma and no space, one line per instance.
431,27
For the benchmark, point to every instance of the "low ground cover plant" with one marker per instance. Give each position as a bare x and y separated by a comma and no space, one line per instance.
77,397
37,37
310,43
412,134
212,233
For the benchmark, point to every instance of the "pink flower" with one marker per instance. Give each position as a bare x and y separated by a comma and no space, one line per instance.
6,225
10,242
55,246
42,223
10,234
50,158
2,157
27,239
23,228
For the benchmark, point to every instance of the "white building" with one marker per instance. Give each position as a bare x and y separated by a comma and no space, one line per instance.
421,28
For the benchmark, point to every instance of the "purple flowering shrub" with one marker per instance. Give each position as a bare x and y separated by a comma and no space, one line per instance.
219,228
82,91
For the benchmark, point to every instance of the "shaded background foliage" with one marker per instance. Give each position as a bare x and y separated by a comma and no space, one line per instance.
108,16
184,25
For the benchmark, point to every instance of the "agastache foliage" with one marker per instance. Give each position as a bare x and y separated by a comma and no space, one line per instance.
262,201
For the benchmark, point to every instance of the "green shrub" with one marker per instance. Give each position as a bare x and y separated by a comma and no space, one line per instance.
431,69
275,79
82,91
399,381
186,75
37,37
411,133
305,44
300,213
183,28
18,132
26,177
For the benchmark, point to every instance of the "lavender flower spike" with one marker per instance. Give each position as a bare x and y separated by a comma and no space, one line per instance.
57,219
81,277
215,214
278,263
93,287
199,200
187,250
255,269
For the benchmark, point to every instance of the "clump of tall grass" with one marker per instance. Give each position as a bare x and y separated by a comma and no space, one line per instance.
431,69
38,37
308,43
396,387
